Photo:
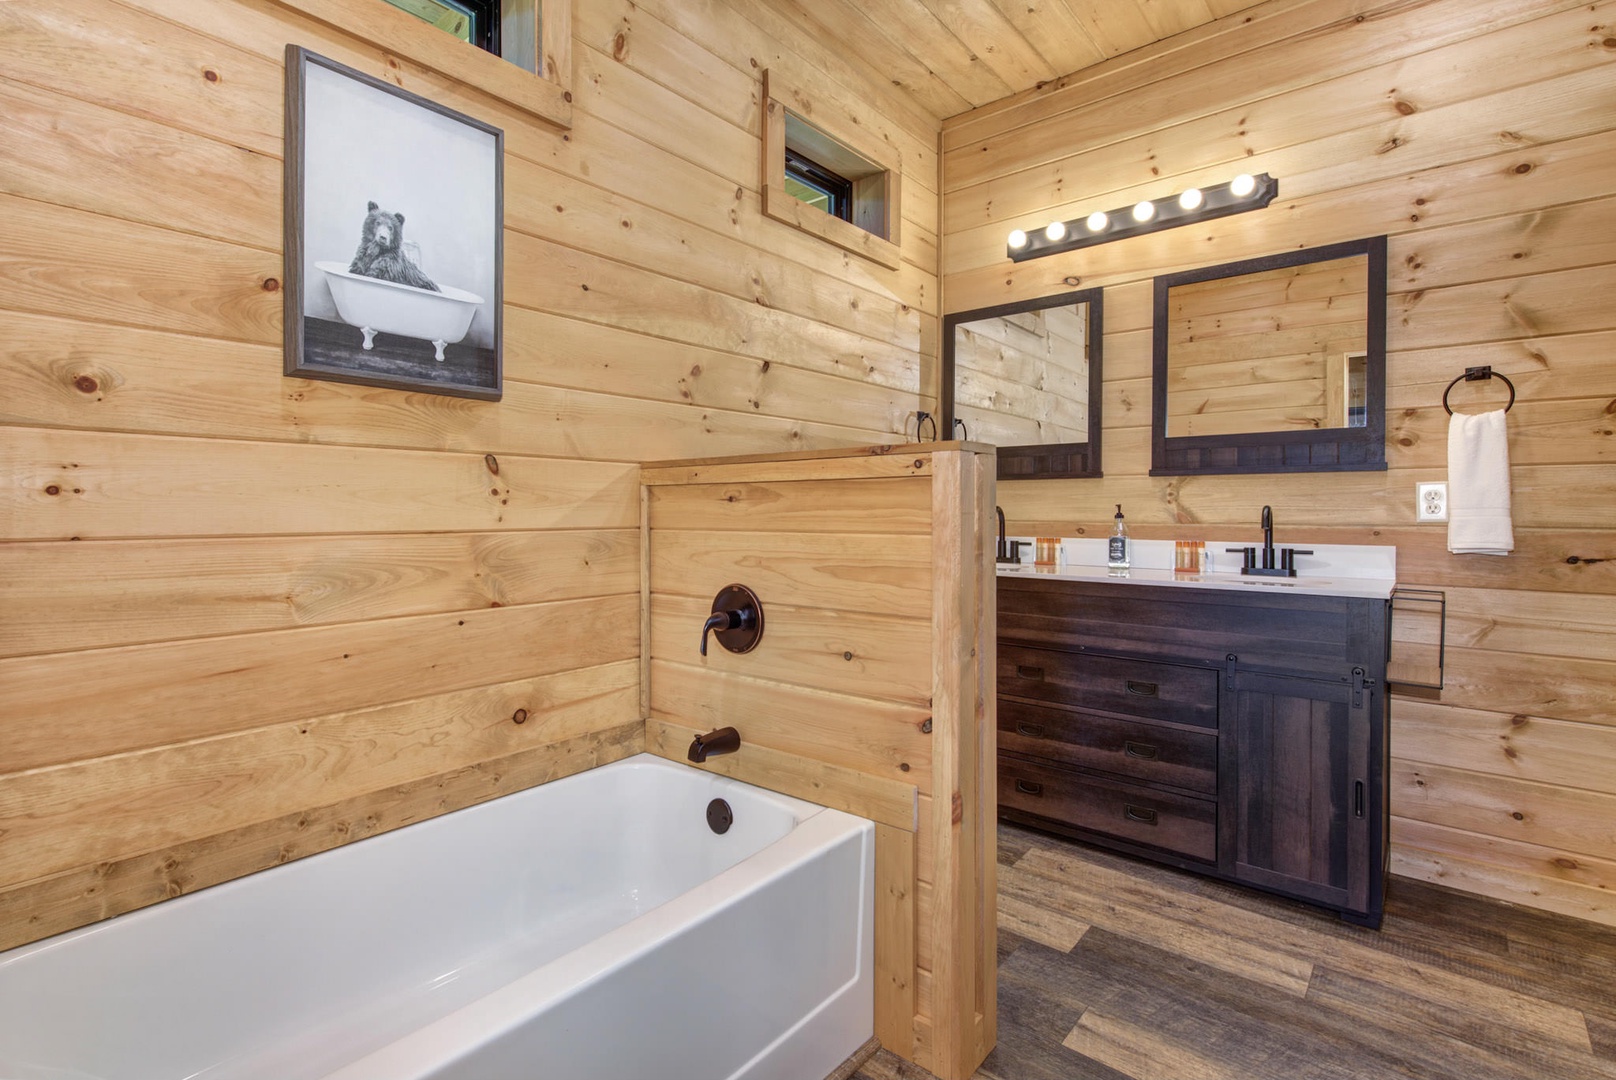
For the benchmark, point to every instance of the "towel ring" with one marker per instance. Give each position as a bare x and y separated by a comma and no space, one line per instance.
1476,374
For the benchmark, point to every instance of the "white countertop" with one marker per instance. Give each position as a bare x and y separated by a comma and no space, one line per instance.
1359,570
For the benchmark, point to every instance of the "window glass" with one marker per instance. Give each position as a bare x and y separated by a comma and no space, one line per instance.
812,183
476,21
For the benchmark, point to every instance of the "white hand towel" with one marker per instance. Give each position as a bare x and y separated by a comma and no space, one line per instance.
1478,485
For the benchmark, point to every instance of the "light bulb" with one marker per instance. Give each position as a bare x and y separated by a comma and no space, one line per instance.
1018,239
1056,230
1243,185
1190,200
1144,210
1098,221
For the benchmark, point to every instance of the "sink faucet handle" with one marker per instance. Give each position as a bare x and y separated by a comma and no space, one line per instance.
1287,558
1248,557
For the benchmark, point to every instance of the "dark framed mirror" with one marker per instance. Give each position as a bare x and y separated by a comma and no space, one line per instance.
1275,364
1026,378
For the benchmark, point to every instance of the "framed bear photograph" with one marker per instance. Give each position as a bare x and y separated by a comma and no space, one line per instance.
394,236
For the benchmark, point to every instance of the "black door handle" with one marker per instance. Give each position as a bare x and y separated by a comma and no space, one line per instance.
1025,672
1358,798
1141,814
1142,689
1140,750
1035,730
1027,788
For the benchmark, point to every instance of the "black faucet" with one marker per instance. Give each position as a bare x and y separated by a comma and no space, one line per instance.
1287,556
726,740
1009,552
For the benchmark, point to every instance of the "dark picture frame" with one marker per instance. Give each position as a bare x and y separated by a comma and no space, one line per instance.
1049,461
395,251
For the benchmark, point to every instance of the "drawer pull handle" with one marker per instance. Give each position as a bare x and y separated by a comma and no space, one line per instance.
1035,730
1025,672
1140,814
1027,788
1141,689
1141,750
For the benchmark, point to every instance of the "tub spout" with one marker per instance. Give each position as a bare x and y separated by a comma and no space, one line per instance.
726,740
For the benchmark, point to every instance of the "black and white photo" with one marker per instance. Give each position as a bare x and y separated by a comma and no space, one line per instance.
394,222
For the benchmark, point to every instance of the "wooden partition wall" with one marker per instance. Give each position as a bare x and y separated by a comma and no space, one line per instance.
872,689
1480,136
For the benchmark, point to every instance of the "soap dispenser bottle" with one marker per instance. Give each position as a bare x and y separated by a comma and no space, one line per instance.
1117,555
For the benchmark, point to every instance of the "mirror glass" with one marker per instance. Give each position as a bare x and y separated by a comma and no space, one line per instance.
1026,377
1277,350
1275,364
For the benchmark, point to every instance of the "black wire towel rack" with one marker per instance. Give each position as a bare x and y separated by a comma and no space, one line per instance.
1477,374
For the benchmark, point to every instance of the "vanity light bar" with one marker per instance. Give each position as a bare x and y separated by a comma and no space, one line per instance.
1244,192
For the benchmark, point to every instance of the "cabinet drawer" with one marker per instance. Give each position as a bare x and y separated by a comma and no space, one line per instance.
1155,752
1178,823
1134,687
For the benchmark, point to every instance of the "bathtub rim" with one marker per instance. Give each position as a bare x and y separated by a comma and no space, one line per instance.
801,810
444,292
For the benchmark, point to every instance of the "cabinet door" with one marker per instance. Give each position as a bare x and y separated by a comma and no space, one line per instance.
1302,802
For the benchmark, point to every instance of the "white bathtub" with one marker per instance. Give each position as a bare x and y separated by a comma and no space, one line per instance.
594,928
377,306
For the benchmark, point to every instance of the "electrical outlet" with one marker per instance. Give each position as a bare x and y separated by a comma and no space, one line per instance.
1431,502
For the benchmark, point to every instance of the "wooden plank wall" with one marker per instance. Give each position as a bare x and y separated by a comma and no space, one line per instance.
1481,136
871,690
243,617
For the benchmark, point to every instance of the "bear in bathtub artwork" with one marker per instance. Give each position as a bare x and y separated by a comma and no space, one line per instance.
381,251
383,291
395,228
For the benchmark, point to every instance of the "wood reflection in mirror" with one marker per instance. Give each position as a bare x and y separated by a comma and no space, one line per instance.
1025,378
1280,350
1275,364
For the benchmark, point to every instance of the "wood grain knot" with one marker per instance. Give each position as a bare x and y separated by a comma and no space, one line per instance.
567,97
271,285
519,716
1071,280
1565,863
925,726
1523,168
492,462
847,656
210,75
53,490
87,384
1518,816
903,766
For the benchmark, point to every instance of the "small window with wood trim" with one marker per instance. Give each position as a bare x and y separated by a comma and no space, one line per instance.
841,185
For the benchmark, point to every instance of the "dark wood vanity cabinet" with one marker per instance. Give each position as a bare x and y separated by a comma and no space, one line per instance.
1241,734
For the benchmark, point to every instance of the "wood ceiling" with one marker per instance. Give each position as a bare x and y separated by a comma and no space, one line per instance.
952,55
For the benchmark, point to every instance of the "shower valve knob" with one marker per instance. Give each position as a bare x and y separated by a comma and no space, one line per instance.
737,620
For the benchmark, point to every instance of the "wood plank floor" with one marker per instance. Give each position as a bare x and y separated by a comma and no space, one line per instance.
1116,969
